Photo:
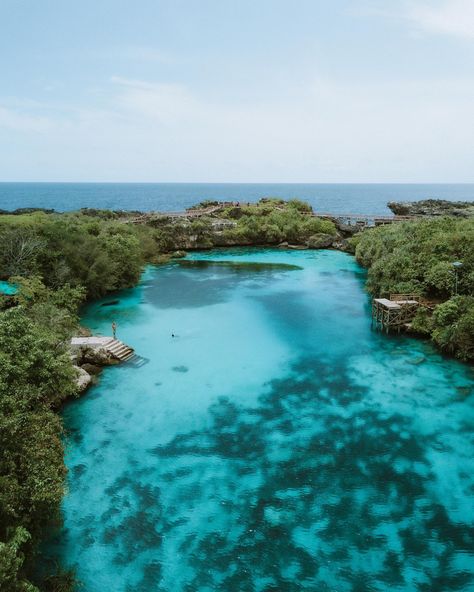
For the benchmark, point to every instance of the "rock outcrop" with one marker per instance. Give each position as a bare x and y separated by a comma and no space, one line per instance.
83,380
231,224
321,241
432,207
90,354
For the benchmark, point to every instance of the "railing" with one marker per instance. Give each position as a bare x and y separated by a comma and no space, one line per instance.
348,218
362,216
401,297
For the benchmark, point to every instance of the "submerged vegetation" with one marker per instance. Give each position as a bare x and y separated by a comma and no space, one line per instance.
417,257
57,261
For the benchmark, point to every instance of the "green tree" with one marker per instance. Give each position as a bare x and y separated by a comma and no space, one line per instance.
417,257
11,562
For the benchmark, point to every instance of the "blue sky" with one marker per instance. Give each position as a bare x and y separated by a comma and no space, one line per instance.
237,90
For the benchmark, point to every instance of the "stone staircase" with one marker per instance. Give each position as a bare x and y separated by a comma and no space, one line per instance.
110,347
120,350
137,361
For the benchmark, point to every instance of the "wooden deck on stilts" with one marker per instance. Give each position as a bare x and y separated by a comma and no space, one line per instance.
394,313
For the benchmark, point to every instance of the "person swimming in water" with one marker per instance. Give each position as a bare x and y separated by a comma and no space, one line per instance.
114,329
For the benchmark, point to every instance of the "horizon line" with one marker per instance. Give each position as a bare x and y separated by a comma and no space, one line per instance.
239,182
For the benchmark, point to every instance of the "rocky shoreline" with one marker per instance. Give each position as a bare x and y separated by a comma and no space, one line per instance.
432,207
89,356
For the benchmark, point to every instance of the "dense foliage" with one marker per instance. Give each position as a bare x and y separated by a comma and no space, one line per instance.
36,375
274,221
268,222
99,254
417,257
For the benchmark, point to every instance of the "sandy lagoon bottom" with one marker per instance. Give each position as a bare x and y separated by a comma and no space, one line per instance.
276,443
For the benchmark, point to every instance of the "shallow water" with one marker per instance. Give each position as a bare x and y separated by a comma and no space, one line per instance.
275,443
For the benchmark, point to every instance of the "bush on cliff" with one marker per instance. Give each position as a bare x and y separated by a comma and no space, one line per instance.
97,253
453,326
417,257
35,376
274,221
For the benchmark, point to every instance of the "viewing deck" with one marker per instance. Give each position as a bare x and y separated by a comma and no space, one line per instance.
394,313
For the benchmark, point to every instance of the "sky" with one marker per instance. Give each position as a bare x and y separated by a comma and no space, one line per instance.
237,90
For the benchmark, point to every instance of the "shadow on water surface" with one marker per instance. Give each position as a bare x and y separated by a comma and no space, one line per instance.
341,502
205,283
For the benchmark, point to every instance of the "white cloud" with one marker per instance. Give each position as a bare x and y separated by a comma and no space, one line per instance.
159,102
450,17
334,131
16,120
440,17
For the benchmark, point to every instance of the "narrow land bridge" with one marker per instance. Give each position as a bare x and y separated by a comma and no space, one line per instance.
351,219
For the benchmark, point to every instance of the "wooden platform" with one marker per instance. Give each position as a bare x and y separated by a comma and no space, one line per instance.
394,313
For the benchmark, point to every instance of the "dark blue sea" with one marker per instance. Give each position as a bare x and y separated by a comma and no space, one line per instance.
339,198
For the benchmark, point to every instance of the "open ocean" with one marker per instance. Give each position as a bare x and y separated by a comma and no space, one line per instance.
169,197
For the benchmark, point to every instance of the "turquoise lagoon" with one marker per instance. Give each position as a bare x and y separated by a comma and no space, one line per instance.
276,443
7,288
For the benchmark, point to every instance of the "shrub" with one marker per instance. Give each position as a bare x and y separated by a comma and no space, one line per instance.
417,257
453,326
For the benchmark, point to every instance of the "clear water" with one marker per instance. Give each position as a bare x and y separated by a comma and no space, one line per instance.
6,288
342,198
275,443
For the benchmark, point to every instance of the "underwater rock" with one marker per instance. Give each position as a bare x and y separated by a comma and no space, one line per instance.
417,361
110,303
464,391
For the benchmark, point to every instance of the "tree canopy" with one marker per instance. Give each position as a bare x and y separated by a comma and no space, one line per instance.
417,257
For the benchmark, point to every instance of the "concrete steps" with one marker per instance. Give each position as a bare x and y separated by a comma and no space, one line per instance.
120,350
137,361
